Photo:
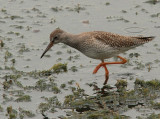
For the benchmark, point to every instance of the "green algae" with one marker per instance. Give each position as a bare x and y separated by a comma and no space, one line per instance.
50,104
7,55
57,68
1,43
63,86
74,69
23,98
1,109
11,113
26,113
112,100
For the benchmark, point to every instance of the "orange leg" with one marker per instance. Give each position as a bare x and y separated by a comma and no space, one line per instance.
106,70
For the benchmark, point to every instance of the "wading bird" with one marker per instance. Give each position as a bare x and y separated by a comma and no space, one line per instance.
98,45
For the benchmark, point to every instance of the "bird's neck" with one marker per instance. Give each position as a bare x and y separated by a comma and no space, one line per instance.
71,40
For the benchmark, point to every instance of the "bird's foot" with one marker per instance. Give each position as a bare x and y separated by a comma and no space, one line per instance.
106,71
103,64
97,67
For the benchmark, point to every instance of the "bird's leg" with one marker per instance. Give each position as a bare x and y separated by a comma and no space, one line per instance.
107,74
106,70
119,62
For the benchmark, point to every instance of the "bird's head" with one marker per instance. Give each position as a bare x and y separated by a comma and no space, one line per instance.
55,37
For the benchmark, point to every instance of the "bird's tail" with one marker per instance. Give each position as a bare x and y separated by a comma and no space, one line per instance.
145,39
142,40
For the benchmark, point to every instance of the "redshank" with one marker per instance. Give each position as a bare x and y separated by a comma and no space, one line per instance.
98,45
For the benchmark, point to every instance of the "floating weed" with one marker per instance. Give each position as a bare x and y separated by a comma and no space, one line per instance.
154,116
107,3
157,61
47,86
35,9
1,43
155,45
9,109
58,52
139,66
121,85
144,10
26,113
23,49
124,11
16,76
17,92
63,85
53,20
7,84
140,82
68,99
3,10
115,18
76,56
74,69
57,9
15,17
69,51
23,98
44,107
18,83
82,105
17,26
1,109
56,90
70,58
77,8
45,73
59,67
134,55
41,85
71,82
155,15
50,105
7,99
53,100
11,113
13,61
59,59
99,114
155,105
155,84
7,55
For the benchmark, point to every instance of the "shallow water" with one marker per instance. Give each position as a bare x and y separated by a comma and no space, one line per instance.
25,27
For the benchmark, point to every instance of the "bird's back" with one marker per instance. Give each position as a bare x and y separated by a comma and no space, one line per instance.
102,45
115,40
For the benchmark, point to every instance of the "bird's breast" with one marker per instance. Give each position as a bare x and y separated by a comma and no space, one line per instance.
97,51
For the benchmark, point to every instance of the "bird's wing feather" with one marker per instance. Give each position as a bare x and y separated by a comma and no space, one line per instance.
116,40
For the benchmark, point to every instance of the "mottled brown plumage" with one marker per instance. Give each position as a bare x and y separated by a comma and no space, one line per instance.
98,44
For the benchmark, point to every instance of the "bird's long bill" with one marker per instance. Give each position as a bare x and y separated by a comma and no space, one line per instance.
48,47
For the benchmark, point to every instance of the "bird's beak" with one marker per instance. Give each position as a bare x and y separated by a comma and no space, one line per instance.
48,47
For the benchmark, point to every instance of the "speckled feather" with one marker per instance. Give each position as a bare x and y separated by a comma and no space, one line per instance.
115,40
99,44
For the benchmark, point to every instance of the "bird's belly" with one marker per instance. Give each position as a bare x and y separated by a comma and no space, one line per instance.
100,53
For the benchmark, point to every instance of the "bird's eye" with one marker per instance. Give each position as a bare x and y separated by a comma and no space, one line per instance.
54,38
